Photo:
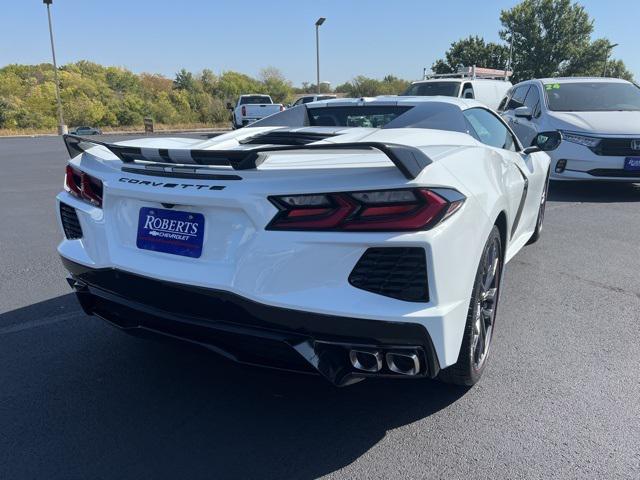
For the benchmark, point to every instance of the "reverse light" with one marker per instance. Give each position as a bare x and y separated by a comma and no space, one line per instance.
83,185
376,210
584,140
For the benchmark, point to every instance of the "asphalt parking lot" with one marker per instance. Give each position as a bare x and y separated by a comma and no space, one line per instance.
559,398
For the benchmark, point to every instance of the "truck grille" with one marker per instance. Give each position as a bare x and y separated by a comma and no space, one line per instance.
616,147
70,222
393,272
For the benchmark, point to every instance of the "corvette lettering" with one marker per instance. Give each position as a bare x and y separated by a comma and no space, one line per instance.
184,186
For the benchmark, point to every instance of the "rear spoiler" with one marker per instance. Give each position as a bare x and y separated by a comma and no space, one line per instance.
409,160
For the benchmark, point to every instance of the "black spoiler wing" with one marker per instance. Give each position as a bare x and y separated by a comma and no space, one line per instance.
409,160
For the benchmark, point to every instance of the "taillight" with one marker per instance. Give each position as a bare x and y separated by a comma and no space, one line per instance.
244,111
73,181
84,186
378,210
282,108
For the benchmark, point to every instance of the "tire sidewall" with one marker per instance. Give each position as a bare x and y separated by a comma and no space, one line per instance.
476,372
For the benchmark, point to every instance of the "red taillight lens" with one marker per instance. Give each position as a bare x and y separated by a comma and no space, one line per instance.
244,111
380,210
83,186
73,181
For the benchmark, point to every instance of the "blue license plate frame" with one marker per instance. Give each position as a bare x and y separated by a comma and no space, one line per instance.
175,232
632,164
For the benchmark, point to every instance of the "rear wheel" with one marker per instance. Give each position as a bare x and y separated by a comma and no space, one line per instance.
478,333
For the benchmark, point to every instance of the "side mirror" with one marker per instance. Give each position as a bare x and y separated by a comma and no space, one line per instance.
229,106
523,112
544,142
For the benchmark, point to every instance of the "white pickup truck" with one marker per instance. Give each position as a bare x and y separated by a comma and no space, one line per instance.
251,108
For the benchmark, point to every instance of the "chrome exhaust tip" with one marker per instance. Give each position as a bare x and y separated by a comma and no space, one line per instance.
366,361
403,363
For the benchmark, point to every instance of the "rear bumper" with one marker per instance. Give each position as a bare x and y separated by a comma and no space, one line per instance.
244,330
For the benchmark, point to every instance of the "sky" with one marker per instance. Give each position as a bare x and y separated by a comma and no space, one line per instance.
372,38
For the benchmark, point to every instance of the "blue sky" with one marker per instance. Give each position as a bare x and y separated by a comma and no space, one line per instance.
370,38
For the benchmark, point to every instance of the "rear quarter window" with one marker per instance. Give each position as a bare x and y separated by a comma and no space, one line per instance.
254,100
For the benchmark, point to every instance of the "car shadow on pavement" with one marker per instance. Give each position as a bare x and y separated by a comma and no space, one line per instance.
594,192
81,399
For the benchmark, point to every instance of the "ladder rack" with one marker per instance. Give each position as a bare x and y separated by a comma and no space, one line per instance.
471,73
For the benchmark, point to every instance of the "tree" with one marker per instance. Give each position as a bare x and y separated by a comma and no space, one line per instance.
617,69
469,51
553,38
591,62
184,81
392,85
362,86
232,84
209,81
276,85
342,88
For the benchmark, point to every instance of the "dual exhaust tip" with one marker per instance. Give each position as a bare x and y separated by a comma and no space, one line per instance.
403,363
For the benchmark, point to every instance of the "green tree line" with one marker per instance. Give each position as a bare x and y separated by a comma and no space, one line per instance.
93,94
102,96
549,38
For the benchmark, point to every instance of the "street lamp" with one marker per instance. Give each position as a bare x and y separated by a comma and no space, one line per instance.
62,128
606,57
319,22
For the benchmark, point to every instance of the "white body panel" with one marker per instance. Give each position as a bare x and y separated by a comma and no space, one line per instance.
309,270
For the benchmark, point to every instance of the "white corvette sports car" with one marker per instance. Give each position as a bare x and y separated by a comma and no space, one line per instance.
350,237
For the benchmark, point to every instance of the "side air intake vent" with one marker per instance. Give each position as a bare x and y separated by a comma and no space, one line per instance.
393,272
70,222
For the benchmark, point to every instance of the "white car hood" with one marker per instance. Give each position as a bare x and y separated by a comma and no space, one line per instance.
606,123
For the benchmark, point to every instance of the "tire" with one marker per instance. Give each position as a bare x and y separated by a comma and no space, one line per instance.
543,203
478,332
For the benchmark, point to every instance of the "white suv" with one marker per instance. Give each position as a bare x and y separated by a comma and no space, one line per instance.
599,119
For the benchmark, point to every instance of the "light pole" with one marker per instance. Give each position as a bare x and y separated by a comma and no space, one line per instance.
319,22
62,128
606,57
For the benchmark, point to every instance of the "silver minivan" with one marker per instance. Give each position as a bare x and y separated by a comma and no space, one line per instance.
599,119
